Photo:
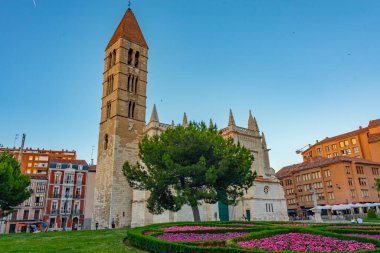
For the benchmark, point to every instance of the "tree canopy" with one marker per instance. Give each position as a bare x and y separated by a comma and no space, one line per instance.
188,165
13,185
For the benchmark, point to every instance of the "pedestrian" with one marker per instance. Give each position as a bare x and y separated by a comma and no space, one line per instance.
113,223
243,217
44,226
96,225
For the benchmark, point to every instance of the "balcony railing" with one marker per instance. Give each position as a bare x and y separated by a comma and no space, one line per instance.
54,211
68,181
56,196
39,204
65,211
78,196
67,196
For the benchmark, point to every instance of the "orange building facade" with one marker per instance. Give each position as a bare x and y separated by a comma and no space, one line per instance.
36,161
337,180
361,143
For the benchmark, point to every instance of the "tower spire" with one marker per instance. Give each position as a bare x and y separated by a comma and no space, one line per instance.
154,115
231,120
211,125
256,125
184,120
263,141
252,123
128,29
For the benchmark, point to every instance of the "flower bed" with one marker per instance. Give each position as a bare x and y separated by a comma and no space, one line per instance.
354,226
189,228
302,242
366,235
181,237
240,237
294,225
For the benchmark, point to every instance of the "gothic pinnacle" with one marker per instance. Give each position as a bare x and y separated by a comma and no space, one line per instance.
263,141
154,116
184,121
231,120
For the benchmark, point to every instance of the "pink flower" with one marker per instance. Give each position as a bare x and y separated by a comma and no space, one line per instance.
180,237
184,228
305,242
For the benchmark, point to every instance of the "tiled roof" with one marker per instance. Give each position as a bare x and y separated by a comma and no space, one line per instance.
80,162
343,136
128,29
319,161
92,168
375,122
371,123
373,138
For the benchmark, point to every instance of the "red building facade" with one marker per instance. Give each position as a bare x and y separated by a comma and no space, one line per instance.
66,193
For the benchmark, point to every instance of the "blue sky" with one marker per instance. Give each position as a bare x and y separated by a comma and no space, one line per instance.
306,69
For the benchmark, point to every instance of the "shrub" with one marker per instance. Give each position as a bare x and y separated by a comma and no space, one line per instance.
371,214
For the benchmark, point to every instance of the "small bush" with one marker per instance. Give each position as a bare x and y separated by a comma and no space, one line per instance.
371,214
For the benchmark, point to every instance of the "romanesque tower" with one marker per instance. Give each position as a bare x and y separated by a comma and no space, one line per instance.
122,121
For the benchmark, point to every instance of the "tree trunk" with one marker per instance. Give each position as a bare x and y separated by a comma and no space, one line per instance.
196,215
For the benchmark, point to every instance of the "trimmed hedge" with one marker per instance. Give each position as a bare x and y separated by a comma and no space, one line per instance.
150,243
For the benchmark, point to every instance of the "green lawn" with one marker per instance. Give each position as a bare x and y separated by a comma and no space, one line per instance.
76,241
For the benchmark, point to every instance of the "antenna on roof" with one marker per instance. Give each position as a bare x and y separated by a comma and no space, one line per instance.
129,4
92,154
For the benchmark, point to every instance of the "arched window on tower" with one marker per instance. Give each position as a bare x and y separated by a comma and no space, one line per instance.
129,109
133,110
135,86
137,59
111,87
108,110
114,57
129,82
130,52
132,82
105,142
109,60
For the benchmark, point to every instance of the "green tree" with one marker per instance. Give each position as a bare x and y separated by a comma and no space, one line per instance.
13,185
190,165
371,214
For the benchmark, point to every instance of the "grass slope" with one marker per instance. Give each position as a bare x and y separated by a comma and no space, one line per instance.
76,241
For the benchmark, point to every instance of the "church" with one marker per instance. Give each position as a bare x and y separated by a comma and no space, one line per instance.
122,126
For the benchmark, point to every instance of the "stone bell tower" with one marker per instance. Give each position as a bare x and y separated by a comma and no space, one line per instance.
122,121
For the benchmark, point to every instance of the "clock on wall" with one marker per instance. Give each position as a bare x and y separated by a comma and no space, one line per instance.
266,189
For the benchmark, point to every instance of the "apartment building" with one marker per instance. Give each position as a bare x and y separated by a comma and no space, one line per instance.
36,161
31,211
66,194
337,180
361,143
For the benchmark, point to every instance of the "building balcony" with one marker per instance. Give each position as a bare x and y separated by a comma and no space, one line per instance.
67,196
65,211
39,204
68,181
56,196
78,196
53,212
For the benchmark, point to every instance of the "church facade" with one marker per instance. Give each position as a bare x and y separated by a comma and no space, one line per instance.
122,126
